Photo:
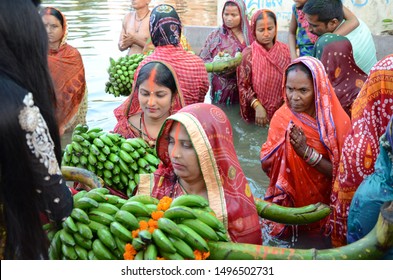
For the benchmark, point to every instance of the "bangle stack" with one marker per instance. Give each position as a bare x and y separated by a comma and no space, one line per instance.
312,157
255,103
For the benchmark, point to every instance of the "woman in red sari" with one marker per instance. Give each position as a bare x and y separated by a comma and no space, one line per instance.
156,95
371,112
335,53
198,157
302,151
259,76
232,37
67,71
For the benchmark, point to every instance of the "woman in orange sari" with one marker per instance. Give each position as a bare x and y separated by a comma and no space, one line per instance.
67,71
198,157
371,112
155,96
302,151
259,76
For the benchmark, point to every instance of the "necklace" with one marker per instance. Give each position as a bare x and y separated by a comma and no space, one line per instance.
150,140
139,21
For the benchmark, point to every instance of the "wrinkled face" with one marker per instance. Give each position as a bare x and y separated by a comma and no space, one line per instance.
155,100
231,16
300,92
318,27
299,3
53,28
265,31
182,154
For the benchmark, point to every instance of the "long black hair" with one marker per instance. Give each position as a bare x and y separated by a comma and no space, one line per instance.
23,69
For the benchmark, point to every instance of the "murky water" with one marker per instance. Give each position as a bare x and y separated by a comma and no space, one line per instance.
94,27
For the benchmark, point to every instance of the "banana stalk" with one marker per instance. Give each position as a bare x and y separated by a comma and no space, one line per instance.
224,65
291,215
373,246
82,175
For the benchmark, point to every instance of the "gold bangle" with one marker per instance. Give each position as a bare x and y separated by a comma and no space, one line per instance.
256,104
252,103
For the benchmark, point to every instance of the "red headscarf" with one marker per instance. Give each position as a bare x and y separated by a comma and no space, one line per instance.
228,191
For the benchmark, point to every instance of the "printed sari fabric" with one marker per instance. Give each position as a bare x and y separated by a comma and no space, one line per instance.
165,31
371,112
304,39
224,86
131,107
228,191
68,75
294,183
335,53
260,75
375,190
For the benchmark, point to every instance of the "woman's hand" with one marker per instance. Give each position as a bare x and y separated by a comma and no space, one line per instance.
298,140
261,116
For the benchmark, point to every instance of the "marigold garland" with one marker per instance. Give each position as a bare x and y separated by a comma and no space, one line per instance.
201,255
130,252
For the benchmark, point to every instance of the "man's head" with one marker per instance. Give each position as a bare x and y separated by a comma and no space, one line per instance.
323,16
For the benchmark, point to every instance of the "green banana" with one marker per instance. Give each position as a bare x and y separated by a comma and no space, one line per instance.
139,256
182,248
101,217
69,252
120,231
179,212
102,252
151,252
70,225
120,244
107,238
81,252
201,228
151,159
127,219
190,200
86,203
126,157
138,244
162,241
145,199
127,147
173,256
143,163
95,226
194,239
106,139
170,227
145,236
107,208
99,197
55,247
136,208
84,230
67,238
83,242
210,219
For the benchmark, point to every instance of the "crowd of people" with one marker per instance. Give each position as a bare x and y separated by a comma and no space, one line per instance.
324,96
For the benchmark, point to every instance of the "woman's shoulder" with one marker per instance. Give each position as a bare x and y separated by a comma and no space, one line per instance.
135,120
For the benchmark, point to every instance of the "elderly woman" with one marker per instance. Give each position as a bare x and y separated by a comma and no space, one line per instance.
302,151
198,157
67,71
155,96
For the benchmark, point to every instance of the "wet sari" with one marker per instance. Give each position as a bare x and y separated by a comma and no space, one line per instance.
132,107
375,190
336,54
293,182
260,75
371,112
68,75
228,191
224,86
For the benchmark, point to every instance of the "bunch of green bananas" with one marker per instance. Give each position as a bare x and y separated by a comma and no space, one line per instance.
121,74
118,161
187,225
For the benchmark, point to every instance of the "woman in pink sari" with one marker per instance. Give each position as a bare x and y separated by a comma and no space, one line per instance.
303,148
232,37
198,157
259,77
155,96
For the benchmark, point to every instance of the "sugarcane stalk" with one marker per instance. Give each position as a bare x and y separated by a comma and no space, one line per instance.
83,176
220,66
291,215
373,246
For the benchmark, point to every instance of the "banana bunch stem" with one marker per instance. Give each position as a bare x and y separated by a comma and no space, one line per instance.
372,246
83,176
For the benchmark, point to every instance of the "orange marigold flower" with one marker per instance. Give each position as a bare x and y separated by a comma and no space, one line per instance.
198,255
135,233
153,223
130,252
143,225
151,229
157,215
205,255
164,203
